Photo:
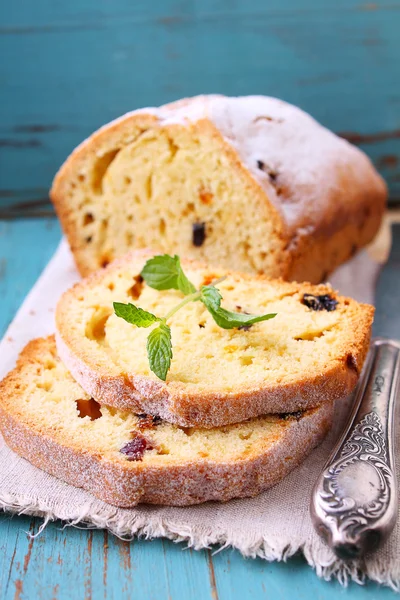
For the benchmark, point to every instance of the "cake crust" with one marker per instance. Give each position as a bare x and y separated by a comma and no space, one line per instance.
73,457
320,197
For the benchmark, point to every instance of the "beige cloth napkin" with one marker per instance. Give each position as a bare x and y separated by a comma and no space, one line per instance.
273,526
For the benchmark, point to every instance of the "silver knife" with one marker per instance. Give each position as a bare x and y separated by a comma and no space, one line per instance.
354,504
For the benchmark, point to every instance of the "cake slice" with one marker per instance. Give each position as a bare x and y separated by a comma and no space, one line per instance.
124,459
310,353
250,183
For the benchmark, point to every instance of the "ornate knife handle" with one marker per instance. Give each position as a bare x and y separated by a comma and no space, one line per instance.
354,502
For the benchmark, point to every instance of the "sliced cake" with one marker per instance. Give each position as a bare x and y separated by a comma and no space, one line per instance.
310,353
124,459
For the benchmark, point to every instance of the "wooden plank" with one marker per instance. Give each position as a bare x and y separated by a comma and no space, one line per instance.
190,574
95,565
25,248
92,61
237,577
63,563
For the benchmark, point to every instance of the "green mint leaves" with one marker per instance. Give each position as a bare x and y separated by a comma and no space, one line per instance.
159,350
226,319
164,272
211,297
134,315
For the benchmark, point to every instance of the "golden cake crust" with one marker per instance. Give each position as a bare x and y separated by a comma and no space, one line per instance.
66,450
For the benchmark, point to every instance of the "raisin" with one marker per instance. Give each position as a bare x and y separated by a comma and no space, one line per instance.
273,175
135,449
323,302
148,421
198,234
290,416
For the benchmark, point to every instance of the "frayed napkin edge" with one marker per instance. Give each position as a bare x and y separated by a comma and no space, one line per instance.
127,527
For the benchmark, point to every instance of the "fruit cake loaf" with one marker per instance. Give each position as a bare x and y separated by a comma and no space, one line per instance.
310,353
124,459
249,183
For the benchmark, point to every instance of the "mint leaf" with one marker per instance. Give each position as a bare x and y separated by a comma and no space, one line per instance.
164,272
229,320
226,319
159,350
183,283
134,315
211,297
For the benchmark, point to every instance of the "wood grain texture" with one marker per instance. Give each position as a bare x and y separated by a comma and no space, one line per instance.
64,564
69,67
25,248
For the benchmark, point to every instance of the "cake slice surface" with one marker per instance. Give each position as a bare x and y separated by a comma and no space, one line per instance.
310,353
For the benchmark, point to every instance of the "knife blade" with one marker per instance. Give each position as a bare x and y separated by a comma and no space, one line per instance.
354,503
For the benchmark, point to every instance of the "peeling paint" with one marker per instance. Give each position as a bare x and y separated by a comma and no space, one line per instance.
389,161
11,143
213,583
369,138
36,128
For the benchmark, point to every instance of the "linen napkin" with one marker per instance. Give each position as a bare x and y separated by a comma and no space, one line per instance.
273,526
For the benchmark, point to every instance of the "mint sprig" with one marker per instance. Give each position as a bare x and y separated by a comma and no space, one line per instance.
133,314
211,298
164,272
159,350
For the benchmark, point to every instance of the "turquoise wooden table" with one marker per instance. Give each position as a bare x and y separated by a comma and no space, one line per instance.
69,67
70,563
